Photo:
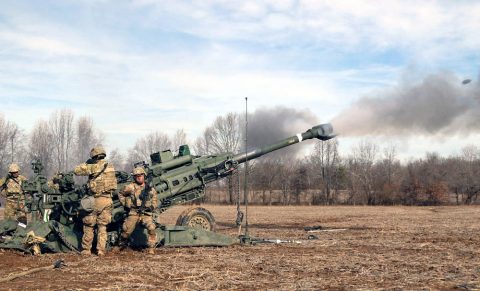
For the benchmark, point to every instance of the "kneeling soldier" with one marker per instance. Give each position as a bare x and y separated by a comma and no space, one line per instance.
140,201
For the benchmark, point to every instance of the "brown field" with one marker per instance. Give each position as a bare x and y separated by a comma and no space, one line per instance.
381,248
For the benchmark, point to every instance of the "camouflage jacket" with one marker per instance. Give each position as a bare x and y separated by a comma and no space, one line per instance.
130,197
101,177
12,187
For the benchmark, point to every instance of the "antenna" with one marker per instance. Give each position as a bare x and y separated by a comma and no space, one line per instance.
245,189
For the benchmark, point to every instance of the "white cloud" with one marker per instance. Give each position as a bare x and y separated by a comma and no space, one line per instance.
425,29
188,87
38,43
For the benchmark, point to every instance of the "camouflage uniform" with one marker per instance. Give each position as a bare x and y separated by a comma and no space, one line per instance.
14,196
131,199
53,183
101,184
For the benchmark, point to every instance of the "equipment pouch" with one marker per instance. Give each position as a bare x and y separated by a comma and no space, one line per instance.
87,203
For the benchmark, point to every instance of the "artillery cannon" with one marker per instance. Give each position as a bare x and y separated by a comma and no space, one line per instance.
177,179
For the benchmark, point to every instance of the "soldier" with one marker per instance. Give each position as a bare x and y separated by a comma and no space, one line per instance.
101,184
54,182
11,189
140,200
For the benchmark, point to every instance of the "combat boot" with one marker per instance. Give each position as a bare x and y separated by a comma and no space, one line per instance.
101,253
151,251
86,253
123,243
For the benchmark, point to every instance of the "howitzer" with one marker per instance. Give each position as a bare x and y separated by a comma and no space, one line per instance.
177,179
184,177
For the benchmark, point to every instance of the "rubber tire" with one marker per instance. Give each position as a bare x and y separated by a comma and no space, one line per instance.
197,214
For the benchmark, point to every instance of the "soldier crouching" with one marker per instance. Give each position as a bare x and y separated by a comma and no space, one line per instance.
101,185
140,200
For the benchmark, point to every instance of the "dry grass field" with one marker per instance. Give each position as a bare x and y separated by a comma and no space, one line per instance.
377,248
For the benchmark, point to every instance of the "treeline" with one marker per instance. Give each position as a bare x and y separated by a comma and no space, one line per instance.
63,141
59,142
368,175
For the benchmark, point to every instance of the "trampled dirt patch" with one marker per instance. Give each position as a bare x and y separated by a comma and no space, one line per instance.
377,248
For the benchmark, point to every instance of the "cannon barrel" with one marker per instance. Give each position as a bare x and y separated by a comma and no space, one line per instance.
322,132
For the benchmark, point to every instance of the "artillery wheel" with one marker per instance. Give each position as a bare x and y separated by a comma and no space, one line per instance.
197,217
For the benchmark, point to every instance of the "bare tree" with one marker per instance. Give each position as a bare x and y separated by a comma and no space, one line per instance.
412,189
144,147
116,158
325,161
201,145
40,145
86,138
178,139
223,135
433,175
11,144
299,180
470,173
285,170
364,157
264,173
62,133
4,138
387,177
13,136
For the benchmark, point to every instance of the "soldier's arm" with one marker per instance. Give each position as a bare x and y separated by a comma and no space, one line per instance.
122,195
82,170
127,191
154,198
2,189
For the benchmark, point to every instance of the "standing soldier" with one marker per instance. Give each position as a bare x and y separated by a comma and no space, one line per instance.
11,189
140,200
101,184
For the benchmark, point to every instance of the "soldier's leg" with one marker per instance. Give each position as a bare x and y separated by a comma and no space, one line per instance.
147,221
9,212
21,211
129,226
104,218
89,222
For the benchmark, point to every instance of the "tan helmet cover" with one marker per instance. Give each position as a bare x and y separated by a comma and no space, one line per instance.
97,151
139,171
13,168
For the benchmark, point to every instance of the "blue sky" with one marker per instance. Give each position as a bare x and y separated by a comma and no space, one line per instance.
141,66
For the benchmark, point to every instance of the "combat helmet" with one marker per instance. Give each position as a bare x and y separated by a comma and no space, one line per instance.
98,151
139,171
13,168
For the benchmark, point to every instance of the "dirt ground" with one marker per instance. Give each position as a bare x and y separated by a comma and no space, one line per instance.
372,248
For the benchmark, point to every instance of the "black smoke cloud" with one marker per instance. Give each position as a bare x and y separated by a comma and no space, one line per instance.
269,125
437,105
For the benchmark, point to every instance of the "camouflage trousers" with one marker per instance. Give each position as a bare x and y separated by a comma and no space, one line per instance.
100,216
15,208
146,220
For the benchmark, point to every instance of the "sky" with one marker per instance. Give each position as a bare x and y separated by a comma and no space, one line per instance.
136,67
